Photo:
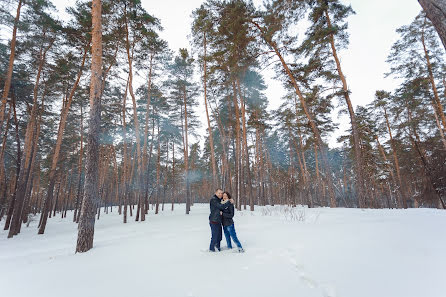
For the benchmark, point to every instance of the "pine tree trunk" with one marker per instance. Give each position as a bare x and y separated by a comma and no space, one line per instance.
173,176
397,165
139,177
165,173
312,123
3,177
437,101
186,152
91,195
223,140
383,154
79,168
144,176
158,171
62,123
8,77
31,136
237,147
211,137
25,207
355,133
246,151
436,12
424,162
125,160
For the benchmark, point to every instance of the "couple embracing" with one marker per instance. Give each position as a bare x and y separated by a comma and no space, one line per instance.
222,212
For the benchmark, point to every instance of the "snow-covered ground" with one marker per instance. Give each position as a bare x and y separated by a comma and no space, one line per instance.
311,252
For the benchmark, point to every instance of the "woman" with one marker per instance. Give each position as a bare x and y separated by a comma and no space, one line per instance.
228,223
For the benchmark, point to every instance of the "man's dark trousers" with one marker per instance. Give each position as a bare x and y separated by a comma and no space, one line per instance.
216,236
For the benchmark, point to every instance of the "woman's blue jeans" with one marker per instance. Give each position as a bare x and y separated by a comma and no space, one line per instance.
230,233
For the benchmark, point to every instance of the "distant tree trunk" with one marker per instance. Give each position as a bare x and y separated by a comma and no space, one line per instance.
437,101
173,176
258,167
158,171
91,195
146,136
79,169
245,145
223,140
3,179
186,152
355,133
397,165
302,152
440,129
29,184
312,123
116,185
271,186
319,183
22,182
125,160
237,147
36,191
211,137
62,123
31,136
436,12
429,178
383,154
166,173
139,177
8,77
10,208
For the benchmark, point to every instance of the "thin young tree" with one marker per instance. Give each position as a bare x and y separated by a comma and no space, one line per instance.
201,29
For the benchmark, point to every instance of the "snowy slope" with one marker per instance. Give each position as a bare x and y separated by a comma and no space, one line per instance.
312,252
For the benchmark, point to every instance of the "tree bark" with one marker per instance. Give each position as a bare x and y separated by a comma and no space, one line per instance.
158,170
437,103
146,136
436,12
91,194
186,152
79,168
245,145
8,78
237,147
211,137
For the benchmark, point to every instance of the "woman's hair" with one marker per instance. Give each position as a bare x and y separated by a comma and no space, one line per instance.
227,193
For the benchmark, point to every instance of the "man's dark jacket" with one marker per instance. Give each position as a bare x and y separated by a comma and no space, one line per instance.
228,214
216,207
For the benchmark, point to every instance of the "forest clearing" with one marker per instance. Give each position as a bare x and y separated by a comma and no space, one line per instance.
319,252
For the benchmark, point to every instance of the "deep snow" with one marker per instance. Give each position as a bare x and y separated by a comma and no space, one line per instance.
311,252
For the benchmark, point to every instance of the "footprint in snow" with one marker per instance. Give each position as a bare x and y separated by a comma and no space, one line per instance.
327,290
310,282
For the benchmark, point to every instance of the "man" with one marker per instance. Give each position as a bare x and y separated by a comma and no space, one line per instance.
215,219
